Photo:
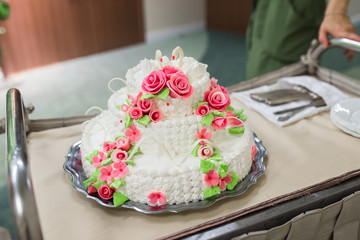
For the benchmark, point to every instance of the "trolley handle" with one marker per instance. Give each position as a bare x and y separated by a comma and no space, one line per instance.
345,43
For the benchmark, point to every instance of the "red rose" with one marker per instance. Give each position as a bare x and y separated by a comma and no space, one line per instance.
170,70
180,86
145,105
219,122
154,83
135,113
202,110
106,192
218,99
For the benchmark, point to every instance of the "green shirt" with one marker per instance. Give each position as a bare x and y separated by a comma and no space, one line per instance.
279,32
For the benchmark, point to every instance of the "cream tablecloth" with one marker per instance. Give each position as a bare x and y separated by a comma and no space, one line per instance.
302,154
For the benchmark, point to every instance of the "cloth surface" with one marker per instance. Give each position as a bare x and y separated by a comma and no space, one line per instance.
329,93
298,156
279,32
336,221
4,234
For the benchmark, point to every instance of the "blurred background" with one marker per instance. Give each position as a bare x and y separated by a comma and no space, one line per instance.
61,54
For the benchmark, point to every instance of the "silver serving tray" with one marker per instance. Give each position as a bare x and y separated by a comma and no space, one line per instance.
73,166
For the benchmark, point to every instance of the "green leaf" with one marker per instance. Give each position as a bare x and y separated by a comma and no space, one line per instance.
215,157
117,183
120,137
98,184
130,162
128,120
164,93
190,80
131,149
96,173
207,119
199,104
91,155
217,113
147,96
223,168
106,162
195,150
127,102
109,153
88,181
238,112
206,166
236,130
144,120
118,107
211,191
243,117
234,180
119,199
229,108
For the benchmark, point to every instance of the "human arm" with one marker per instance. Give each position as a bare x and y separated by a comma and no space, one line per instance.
337,24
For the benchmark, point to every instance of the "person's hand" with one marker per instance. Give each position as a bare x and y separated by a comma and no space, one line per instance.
338,26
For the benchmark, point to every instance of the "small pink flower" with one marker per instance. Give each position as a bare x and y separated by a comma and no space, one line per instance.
154,83
105,174
253,152
218,99
91,188
98,159
214,84
180,86
155,116
120,169
211,178
203,134
234,119
133,133
202,110
125,108
145,105
219,122
108,146
106,192
223,181
155,197
135,113
119,155
205,151
122,143
170,70
132,100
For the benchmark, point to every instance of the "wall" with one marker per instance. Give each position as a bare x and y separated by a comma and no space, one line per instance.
354,10
166,18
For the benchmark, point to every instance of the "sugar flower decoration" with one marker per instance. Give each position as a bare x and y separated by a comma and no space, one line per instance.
98,159
108,146
223,181
205,151
155,197
203,134
253,152
155,116
91,188
123,143
133,133
106,192
202,110
120,169
135,113
219,122
119,155
211,178
105,174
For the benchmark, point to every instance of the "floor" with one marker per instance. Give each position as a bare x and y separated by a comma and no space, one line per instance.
63,85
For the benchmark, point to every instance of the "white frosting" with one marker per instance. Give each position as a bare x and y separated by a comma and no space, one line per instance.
166,164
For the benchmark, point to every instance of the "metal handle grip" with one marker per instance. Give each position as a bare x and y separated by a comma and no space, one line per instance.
20,187
345,43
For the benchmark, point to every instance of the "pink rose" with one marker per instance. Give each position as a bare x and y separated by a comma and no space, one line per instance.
155,197
205,151
91,188
218,99
219,122
223,181
135,113
155,116
213,83
154,83
145,105
234,119
170,70
211,178
123,143
202,110
106,192
180,86
118,155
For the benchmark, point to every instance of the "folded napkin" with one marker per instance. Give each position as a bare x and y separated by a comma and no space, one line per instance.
328,92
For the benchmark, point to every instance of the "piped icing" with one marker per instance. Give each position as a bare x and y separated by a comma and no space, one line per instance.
170,136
